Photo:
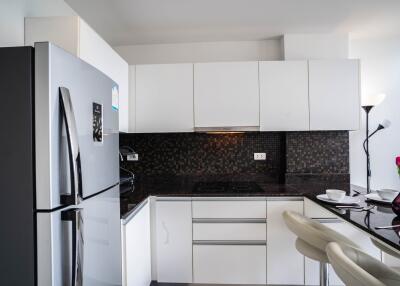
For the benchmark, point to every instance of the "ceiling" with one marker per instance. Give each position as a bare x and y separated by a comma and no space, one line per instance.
128,22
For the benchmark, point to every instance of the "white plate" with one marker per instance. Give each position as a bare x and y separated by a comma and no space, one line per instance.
347,200
376,198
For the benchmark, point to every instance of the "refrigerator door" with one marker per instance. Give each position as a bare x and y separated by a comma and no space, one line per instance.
76,128
81,245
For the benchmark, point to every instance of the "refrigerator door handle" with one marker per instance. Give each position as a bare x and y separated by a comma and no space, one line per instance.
73,149
75,216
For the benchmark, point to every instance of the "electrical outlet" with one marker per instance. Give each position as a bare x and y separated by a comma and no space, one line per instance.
260,156
132,157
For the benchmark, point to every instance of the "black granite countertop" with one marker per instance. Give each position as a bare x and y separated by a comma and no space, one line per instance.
380,215
183,186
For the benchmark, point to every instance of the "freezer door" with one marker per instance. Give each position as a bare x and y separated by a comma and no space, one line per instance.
81,245
76,128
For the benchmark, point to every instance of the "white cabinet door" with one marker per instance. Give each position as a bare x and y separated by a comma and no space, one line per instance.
164,98
174,241
285,265
312,267
226,94
229,231
136,236
334,91
284,96
229,264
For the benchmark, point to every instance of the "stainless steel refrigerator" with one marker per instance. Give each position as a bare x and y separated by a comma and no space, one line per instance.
59,170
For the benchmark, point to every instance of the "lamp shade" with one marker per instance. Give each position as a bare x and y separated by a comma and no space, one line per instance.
373,99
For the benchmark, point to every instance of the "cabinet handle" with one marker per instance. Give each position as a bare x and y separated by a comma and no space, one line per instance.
229,242
166,241
229,220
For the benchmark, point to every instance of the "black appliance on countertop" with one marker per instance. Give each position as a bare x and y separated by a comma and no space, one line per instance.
127,178
127,181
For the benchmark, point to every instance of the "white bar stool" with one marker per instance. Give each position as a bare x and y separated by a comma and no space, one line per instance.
312,239
387,250
356,268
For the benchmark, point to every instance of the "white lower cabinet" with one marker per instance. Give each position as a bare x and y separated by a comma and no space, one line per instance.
174,241
233,209
285,265
229,264
229,231
136,248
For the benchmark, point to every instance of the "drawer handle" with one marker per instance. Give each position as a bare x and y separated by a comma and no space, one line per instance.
229,242
166,241
229,220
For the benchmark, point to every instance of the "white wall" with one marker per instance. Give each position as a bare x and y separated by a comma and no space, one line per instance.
315,46
380,72
49,8
202,52
13,12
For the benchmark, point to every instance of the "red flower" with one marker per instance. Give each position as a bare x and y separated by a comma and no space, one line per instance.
398,161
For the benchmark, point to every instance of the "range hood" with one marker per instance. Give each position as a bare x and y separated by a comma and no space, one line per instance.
226,129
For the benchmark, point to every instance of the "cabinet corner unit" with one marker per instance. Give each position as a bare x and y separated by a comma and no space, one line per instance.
136,247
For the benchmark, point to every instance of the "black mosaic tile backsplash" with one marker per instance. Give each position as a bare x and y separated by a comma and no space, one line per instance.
206,154
195,154
318,152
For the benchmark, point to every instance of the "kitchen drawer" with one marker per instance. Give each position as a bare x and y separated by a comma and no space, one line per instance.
230,231
229,264
229,209
313,210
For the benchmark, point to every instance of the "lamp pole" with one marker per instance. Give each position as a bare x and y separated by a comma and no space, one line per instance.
367,109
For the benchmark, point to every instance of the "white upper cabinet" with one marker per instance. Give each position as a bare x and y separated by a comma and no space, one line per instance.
78,38
334,92
226,94
164,98
284,96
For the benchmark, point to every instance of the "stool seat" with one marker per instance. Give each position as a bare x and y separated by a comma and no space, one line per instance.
311,251
357,268
385,249
312,239
313,232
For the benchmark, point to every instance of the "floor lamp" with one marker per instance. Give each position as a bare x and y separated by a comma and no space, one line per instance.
371,102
